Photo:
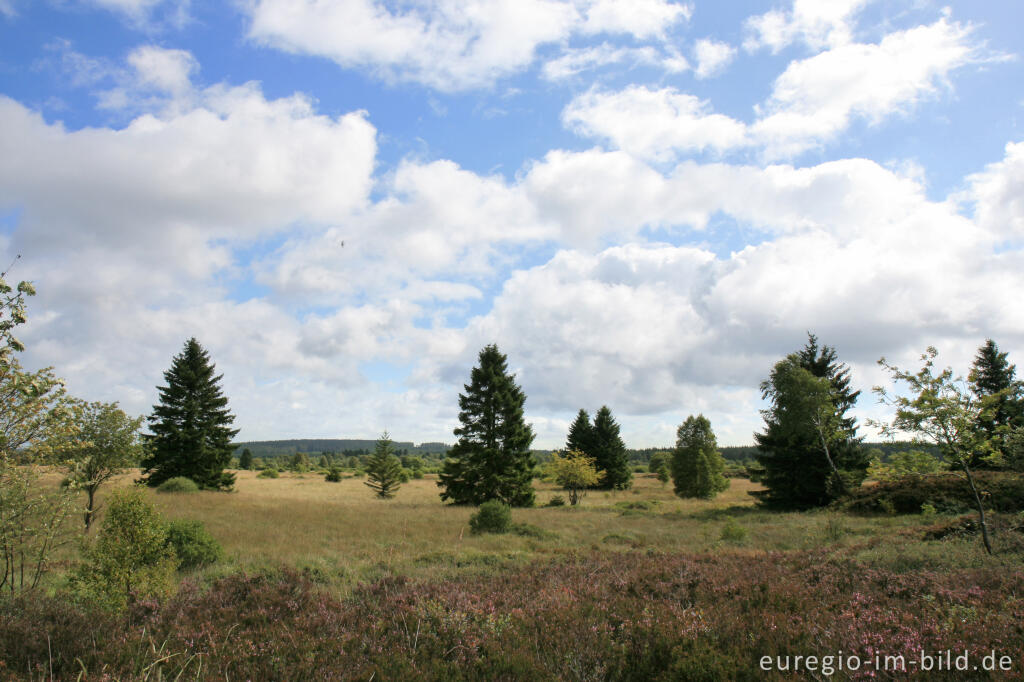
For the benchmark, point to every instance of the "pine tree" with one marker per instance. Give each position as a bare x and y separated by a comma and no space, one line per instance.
191,433
610,452
491,460
697,465
384,469
581,435
245,459
797,472
993,382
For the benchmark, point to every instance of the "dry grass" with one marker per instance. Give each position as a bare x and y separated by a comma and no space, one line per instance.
345,534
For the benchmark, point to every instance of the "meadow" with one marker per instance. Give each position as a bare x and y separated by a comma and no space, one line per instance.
323,581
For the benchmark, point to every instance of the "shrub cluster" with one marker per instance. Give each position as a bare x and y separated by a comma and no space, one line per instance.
192,544
178,484
946,493
493,516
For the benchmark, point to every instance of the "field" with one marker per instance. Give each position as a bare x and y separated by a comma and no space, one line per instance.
323,581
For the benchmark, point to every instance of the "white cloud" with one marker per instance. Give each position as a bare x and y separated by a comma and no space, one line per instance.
162,69
815,98
712,57
811,103
998,194
450,46
654,124
575,61
817,23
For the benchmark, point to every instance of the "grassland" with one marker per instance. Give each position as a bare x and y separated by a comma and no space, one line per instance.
322,580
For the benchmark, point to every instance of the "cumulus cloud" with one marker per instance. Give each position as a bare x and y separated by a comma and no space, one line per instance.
998,194
712,57
811,102
449,46
575,61
653,124
815,23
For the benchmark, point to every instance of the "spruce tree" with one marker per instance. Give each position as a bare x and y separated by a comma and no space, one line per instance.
384,469
581,435
245,459
610,452
797,473
491,460
993,383
697,465
191,434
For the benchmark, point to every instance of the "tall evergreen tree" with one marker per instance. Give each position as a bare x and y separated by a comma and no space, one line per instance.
384,469
245,459
993,382
581,435
697,465
797,472
191,425
491,460
610,452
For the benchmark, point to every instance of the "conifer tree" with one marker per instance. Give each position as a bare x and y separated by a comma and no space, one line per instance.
491,460
798,472
994,384
581,435
697,465
384,469
191,434
610,452
245,459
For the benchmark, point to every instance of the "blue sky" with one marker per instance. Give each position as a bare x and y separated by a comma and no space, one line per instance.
645,204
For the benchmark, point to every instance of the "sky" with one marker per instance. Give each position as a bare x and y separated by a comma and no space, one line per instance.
644,203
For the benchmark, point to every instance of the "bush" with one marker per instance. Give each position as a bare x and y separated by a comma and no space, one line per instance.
193,544
268,473
733,532
556,501
494,516
333,475
131,557
946,493
178,484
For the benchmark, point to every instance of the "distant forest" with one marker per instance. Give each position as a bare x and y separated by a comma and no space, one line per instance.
275,448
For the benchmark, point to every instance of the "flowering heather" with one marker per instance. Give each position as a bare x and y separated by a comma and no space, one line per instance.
612,616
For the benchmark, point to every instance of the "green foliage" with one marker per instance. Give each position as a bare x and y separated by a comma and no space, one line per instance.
384,470
994,385
178,484
660,464
609,452
581,435
130,558
947,493
556,501
108,442
941,411
908,463
1013,453
192,544
270,472
323,463
494,516
491,459
245,460
574,471
732,531
696,463
12,313
333,475
809,450
299,462
191,425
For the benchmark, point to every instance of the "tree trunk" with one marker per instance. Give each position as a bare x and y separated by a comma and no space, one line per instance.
828,456
981,507
89,508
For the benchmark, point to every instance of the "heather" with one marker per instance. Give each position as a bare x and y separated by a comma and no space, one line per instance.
634,615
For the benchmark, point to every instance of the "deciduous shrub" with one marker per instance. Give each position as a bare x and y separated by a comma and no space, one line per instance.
192,544
493,516
178,484
947,493
268,473
130,558
556,501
